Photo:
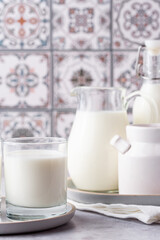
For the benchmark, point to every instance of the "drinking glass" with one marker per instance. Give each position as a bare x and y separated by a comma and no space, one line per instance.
35,177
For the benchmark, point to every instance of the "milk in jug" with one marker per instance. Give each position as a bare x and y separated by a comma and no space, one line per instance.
92,161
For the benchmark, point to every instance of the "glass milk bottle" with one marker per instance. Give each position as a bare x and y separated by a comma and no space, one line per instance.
92,161
145,112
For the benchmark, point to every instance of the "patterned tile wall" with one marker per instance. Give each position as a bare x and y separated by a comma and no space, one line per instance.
48,47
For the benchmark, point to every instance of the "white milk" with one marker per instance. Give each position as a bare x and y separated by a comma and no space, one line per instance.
149,112
0,173
35,178
1,191
92,161
143,112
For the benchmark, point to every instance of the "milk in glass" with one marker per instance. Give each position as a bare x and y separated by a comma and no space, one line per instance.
35,178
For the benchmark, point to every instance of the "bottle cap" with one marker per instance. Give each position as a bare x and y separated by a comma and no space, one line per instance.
153,47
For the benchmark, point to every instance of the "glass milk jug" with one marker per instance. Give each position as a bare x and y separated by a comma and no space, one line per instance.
145,112
92,161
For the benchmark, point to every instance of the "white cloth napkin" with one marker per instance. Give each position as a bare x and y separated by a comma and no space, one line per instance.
145,214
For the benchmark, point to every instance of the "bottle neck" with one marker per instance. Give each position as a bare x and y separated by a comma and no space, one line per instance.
151,66
151,81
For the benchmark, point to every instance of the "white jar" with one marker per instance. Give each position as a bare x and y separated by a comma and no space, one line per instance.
139,160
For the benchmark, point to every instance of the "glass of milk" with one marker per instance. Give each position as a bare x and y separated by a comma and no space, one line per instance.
35,177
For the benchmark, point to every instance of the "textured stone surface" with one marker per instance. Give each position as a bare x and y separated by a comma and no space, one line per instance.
89,226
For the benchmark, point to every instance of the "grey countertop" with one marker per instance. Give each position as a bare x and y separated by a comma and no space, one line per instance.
88,226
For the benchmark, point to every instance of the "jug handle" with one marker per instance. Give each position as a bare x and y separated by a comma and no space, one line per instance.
120,144
147,98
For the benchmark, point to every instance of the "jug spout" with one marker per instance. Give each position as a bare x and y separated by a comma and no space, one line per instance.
120,144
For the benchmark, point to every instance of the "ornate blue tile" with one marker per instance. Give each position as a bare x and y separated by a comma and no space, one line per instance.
81,24
62,123
24,24
25,80
124,71
134,21
78,69
29,124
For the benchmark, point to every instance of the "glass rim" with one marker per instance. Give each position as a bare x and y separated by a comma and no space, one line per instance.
34,140
93,89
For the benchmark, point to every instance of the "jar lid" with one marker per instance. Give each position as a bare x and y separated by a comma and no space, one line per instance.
143,133
153,47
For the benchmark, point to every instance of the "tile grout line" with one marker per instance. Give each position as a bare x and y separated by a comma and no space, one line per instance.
21,110
51,74
9,51
111,44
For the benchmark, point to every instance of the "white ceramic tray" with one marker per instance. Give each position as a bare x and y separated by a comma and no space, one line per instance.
109,198
8,226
